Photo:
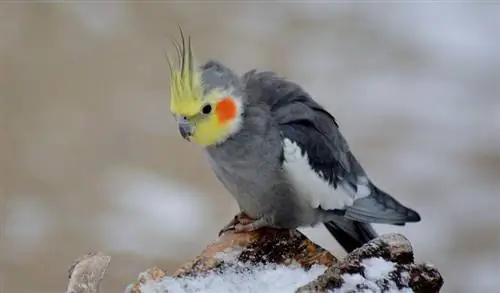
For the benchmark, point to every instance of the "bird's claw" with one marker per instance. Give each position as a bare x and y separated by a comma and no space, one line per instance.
226,228
247,227
240,223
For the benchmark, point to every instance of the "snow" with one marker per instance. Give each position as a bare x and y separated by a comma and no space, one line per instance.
278,278
262,279
376,270
229,256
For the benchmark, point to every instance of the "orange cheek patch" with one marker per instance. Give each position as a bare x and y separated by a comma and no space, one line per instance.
226,110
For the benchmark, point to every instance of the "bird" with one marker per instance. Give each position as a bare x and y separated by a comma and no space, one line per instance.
277,151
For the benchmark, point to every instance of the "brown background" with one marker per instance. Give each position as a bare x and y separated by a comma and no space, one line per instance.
92,159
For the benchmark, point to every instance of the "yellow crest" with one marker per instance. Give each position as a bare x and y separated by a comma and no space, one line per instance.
186,88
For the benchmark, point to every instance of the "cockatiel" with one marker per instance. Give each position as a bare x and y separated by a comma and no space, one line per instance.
277,151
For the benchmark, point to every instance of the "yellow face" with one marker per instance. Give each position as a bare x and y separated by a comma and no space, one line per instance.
211,121
205,119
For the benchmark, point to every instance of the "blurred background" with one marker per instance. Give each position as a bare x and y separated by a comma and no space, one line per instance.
92,159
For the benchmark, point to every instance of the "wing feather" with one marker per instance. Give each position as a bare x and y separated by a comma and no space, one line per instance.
304,121
315,132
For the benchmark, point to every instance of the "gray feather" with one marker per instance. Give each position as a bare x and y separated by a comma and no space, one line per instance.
380,207
350,234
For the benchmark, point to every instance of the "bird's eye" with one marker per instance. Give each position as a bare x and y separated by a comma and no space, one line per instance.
206,109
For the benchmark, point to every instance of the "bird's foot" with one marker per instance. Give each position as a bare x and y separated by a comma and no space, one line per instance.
252,225
243,223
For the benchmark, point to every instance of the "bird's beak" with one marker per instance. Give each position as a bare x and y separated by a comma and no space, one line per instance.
185,129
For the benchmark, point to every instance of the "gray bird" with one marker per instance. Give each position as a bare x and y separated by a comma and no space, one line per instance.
278,152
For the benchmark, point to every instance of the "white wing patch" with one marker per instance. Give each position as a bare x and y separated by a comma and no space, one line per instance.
309,183
363,188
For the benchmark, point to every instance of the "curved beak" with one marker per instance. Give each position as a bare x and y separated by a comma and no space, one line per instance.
185,129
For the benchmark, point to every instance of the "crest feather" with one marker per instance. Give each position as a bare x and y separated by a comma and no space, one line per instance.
186,88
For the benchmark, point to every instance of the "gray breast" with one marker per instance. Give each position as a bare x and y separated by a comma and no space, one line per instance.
260,186
249,165
245,174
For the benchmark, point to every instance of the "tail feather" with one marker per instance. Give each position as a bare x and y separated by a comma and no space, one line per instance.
380,207
350,234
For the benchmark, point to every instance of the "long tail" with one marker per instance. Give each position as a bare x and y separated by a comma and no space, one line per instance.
379,207
350,234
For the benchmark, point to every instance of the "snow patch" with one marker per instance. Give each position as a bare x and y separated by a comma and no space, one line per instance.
377,268
262,279
229,256
278,278
354,282
377,271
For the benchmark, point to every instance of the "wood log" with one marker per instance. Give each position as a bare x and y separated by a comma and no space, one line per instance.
239,252
87,272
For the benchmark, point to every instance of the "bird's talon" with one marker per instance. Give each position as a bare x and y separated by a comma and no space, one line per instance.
237,219
226,229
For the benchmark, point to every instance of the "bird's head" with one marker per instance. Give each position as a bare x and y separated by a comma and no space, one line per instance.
207,100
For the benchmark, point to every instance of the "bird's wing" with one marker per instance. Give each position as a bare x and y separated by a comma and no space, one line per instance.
315,154
316,157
